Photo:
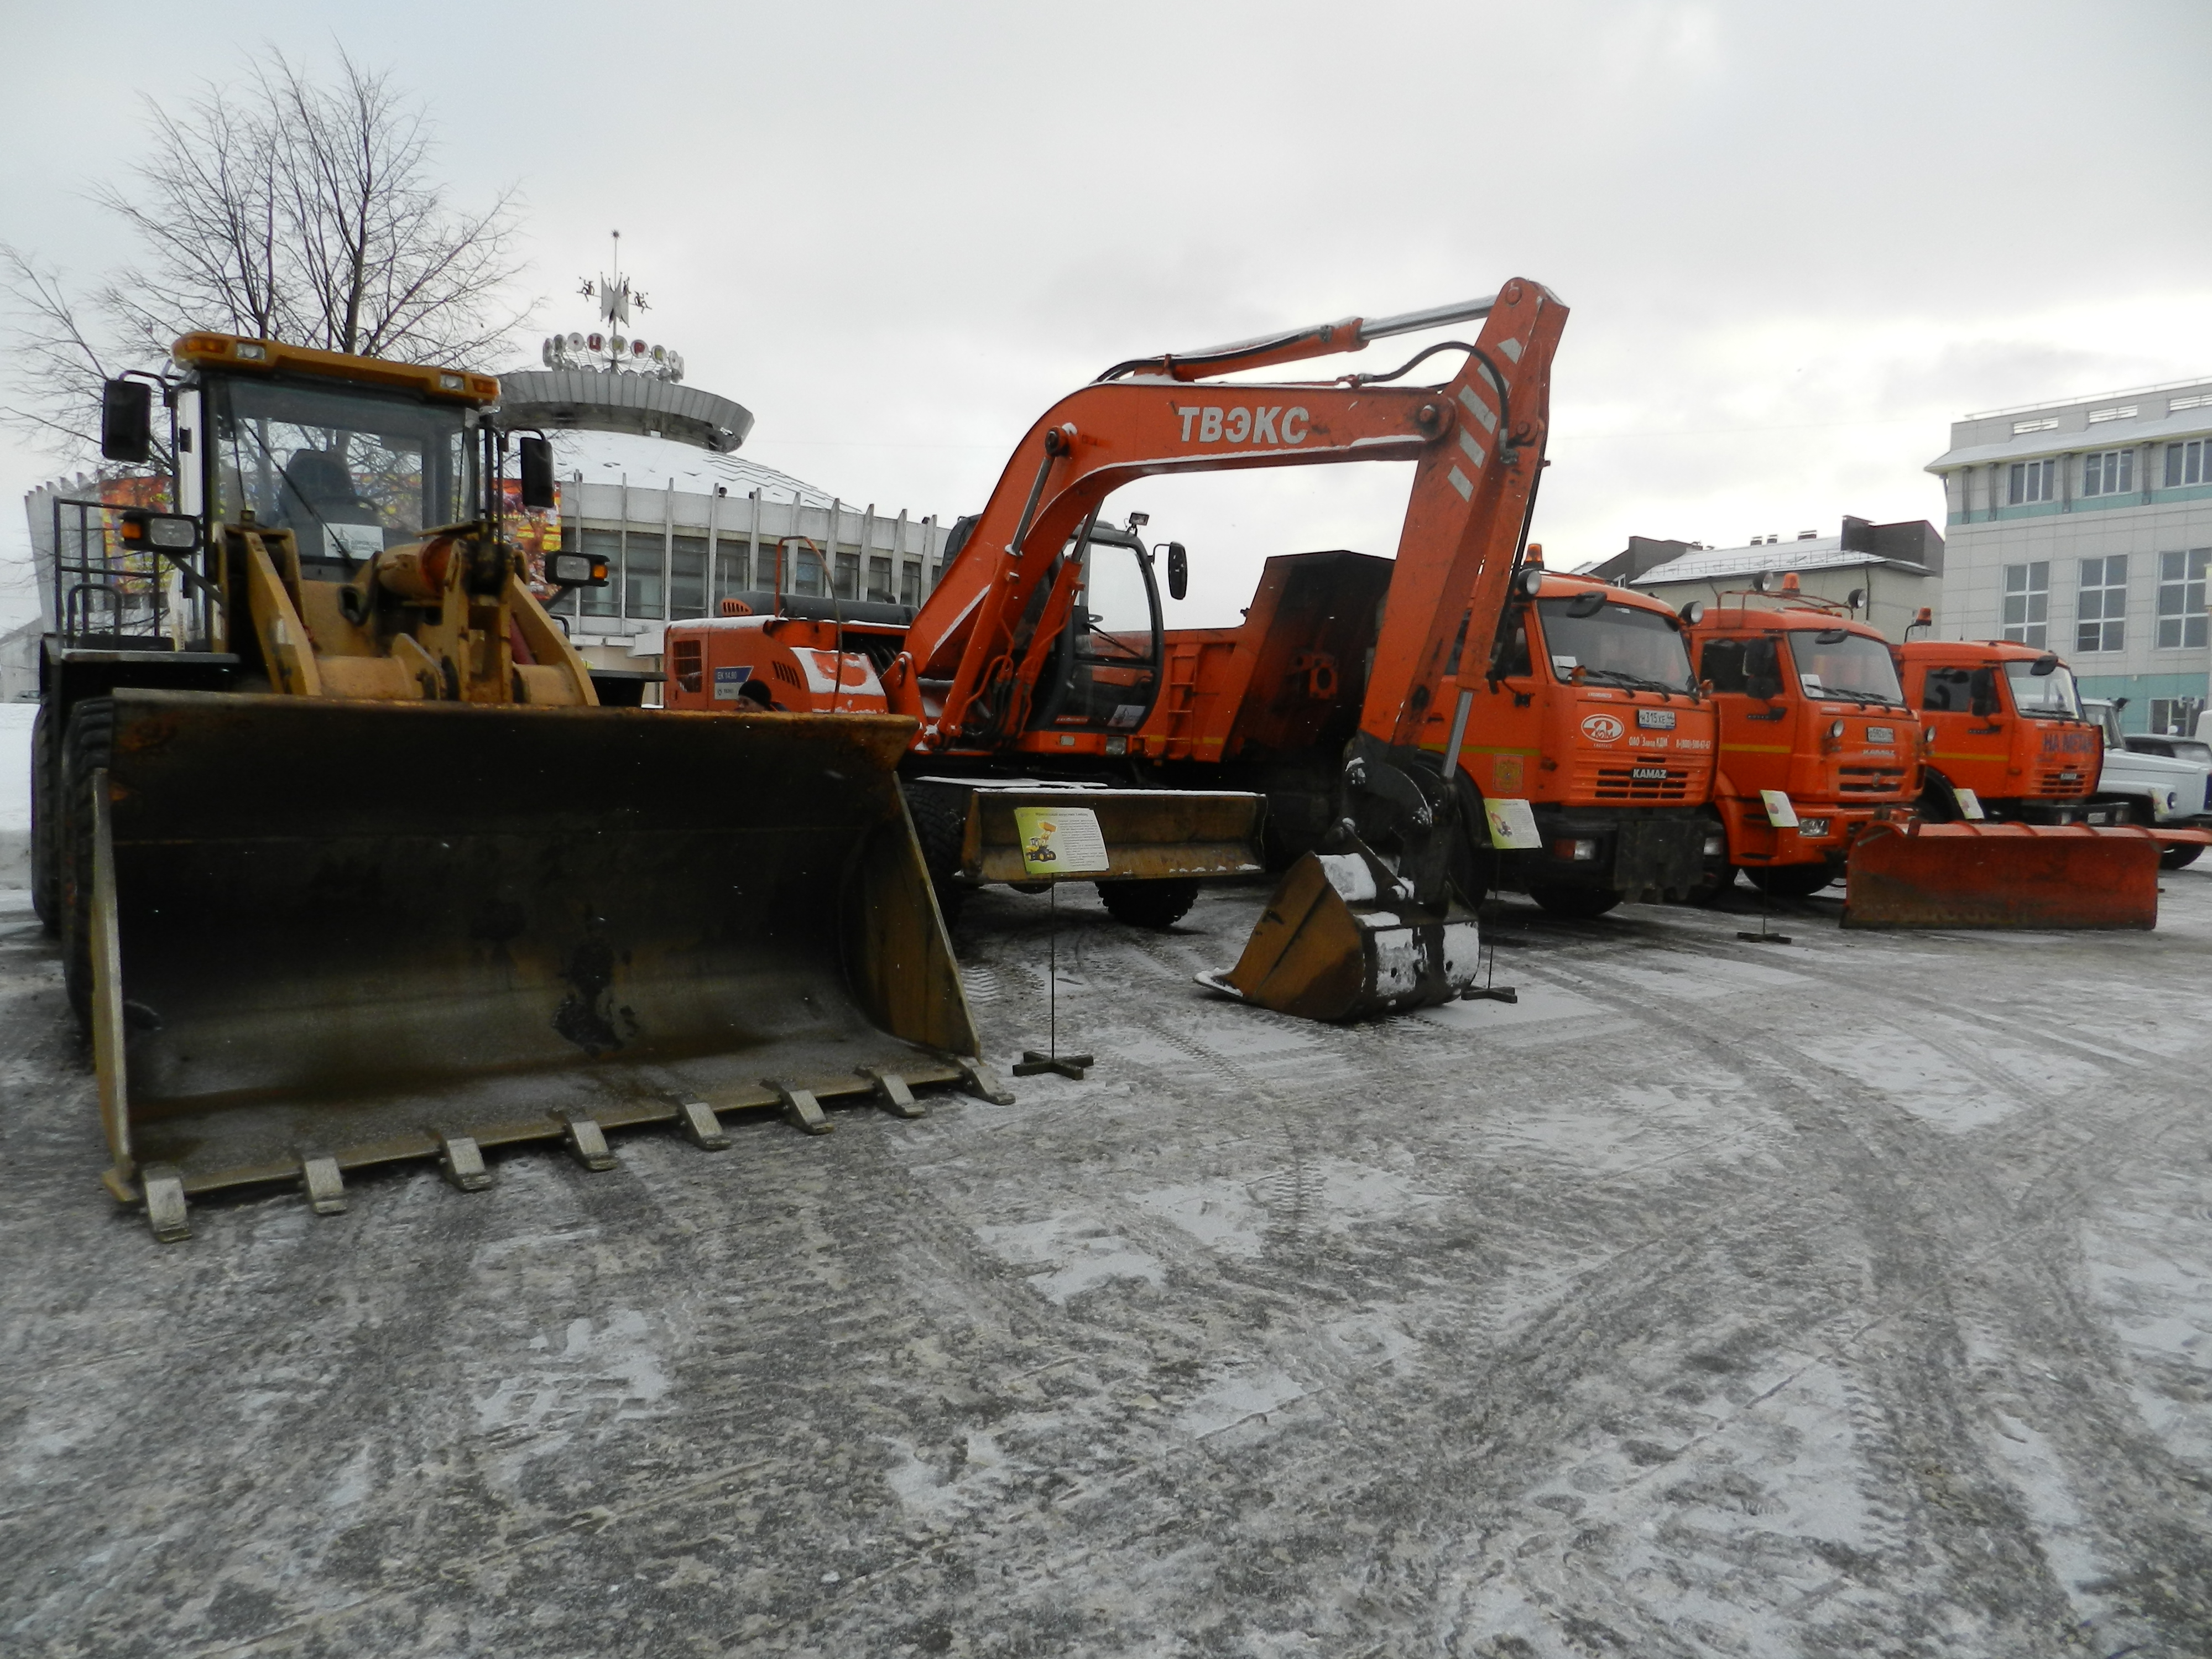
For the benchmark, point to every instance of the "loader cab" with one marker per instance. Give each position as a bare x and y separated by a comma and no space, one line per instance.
348,468
1105,675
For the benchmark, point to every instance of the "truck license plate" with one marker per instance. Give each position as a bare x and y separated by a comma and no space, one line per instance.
1881,734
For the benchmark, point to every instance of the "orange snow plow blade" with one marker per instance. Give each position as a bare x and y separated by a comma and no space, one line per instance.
2004,875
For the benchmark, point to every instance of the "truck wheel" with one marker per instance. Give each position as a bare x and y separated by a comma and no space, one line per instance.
1792,880
1580,903
45,825
940,821
85,749
2179,858
1937,803
1155,904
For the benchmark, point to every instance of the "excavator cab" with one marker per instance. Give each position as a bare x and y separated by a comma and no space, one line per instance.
1104,675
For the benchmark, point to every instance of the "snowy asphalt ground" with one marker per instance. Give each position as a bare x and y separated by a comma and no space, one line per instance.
1851,1297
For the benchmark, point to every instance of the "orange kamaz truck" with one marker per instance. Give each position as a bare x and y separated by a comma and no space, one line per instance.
1589,716
1816,738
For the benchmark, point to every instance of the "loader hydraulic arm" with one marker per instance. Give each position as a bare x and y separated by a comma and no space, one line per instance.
980,641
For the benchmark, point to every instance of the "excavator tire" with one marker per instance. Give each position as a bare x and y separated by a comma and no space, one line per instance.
358,932
1577,903
1155,904
941,822
87,748
45,826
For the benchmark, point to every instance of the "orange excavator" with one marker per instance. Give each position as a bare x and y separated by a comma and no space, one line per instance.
1014,682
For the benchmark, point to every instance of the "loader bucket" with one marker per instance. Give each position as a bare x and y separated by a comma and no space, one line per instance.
1334,944
355,932
2002,875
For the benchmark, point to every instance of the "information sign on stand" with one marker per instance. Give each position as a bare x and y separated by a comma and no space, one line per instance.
1057,842
1512,825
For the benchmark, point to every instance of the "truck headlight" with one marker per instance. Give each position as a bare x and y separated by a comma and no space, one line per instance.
576,570
1575,851
1715,844
1811,829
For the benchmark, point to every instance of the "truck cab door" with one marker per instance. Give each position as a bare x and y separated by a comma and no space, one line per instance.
1973,737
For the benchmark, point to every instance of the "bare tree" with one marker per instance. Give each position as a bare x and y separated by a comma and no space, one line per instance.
285,209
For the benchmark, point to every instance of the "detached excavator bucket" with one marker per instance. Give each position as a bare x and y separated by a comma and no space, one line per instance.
1335,943
2002,875
328,935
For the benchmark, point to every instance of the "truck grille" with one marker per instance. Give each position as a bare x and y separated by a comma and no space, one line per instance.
1619,783
2063,783
1870,779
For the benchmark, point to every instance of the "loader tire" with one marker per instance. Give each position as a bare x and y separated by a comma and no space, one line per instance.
940,821
45,825
1155,904
1577,903
86,749
2179,858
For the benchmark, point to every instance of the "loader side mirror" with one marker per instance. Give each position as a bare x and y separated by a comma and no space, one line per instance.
535,458
126,421
1762,670
1178,571
1982,692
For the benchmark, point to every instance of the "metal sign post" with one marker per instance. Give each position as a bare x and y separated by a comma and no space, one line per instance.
1057,843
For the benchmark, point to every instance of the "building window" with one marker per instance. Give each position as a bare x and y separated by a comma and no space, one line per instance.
2175,717
641,576
2185,464
2181,598
687,576
604,544
2100,619
2027,602
2032,481
2111,472
910,582
879,580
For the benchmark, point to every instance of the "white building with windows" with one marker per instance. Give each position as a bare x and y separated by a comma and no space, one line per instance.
2085,525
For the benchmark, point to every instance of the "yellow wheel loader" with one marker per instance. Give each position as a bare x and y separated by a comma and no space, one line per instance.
349,863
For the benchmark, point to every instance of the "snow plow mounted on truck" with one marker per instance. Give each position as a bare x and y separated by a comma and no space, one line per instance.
2009,831
350,867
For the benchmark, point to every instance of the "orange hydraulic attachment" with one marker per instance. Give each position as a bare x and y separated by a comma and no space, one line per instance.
2005,875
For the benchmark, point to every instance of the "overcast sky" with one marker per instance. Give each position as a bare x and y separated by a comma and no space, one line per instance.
1796,240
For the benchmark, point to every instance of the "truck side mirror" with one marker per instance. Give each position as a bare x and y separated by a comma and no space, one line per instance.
1178,571
2044,666
535,460
1982,692
1762,670
126,421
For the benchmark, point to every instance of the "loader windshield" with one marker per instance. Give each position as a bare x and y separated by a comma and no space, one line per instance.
1855,668
2051,696
1614,644
348,470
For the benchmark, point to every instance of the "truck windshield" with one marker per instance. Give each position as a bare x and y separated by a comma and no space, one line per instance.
1620,645
1856,668
2045,696
349,472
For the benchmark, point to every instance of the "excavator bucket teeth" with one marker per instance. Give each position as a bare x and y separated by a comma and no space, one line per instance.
1335,943
2002,875
368,931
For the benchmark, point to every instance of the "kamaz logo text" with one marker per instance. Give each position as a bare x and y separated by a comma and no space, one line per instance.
1241,425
